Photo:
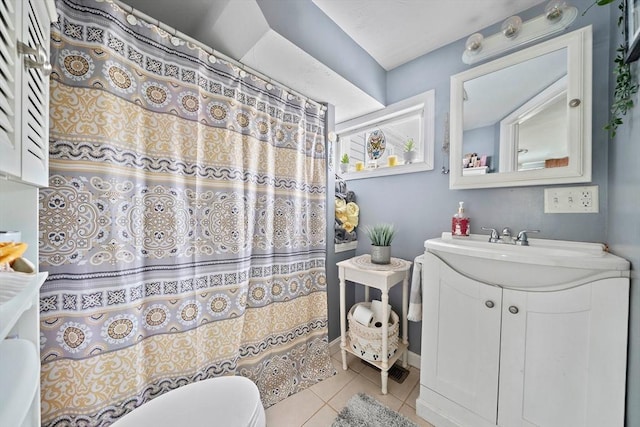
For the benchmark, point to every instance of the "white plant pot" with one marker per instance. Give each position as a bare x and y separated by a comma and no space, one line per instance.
409,157
344,167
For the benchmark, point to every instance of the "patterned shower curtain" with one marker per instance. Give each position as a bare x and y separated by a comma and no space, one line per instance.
184,226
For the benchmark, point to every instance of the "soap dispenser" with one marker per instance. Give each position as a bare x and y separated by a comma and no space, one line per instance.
460,222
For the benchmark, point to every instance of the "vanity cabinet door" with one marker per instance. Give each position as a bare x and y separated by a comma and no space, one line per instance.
460,338
563,356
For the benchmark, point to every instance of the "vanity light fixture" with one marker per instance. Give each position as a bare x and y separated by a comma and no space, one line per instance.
513,33
511,27
474,43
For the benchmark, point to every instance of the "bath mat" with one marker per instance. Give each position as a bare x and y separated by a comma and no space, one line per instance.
396,373
364,411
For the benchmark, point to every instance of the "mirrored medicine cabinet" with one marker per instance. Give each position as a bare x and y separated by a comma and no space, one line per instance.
524,119
375,143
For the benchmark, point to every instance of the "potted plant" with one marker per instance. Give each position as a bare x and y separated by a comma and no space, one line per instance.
344,163
409,151
381,236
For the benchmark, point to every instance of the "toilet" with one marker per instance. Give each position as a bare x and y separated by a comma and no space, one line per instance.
224,401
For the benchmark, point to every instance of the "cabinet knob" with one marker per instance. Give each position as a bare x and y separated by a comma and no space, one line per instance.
41,62
513,309
489,303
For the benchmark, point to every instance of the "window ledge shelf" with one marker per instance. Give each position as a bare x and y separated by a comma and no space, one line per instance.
343,247
386,171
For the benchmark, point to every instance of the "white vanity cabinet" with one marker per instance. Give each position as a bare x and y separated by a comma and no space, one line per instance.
497,356
24,89
460,339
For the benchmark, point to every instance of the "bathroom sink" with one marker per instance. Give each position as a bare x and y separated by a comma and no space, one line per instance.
543,265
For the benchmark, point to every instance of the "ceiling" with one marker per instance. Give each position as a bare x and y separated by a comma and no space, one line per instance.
390,32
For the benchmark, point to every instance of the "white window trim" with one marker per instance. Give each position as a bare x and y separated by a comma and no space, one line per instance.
425,102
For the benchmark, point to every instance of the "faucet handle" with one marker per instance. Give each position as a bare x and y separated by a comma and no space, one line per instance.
522,238
494,238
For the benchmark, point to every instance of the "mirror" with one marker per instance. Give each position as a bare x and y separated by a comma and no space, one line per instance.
377,144
524,119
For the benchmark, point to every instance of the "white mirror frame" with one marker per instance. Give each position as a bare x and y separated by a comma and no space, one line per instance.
579,86
425,102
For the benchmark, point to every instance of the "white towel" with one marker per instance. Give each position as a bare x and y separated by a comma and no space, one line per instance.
415,297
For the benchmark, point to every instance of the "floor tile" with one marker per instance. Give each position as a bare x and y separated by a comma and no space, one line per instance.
294,410
323,418
372,375
318,406
415,393
399,390
353,362
328,388
410,413
361,384
402,390
334,348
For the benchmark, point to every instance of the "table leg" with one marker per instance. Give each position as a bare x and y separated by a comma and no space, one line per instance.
384,373
405,326
366,293
343,320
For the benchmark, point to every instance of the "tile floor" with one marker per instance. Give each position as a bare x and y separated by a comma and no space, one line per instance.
319,405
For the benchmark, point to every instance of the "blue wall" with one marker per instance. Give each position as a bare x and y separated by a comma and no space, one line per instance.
421,204
623,224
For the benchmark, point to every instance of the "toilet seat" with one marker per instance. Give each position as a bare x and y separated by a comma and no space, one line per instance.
224,401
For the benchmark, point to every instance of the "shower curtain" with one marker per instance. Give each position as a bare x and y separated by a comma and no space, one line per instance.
184,226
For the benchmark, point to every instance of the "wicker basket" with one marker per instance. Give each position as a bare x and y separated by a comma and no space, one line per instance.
367,341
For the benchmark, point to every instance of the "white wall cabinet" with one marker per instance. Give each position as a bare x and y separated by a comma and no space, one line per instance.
494,356
24,130
24,89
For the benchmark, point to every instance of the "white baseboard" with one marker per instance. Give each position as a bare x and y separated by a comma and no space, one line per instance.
413,359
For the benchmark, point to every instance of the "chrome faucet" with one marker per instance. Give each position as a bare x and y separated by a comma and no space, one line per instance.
507,236
522,238
494,237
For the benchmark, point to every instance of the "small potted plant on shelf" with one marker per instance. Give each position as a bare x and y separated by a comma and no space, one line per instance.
344,163
381,236
409,151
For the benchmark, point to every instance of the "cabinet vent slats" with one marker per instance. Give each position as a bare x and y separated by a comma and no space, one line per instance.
6,59
34,140
8,90
7,29
35,32
8,8
5,107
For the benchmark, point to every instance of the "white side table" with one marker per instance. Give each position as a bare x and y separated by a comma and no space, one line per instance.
360,270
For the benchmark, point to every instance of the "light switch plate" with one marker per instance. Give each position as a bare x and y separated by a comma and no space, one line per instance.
571,199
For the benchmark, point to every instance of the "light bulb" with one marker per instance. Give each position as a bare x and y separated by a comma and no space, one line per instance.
511,26
474,43
554,9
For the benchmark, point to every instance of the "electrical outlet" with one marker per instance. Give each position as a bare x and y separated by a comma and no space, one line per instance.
571,199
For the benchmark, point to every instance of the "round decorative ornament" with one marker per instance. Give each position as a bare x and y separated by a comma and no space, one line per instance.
376,144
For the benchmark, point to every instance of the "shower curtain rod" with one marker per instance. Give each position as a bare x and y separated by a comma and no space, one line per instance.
141,15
